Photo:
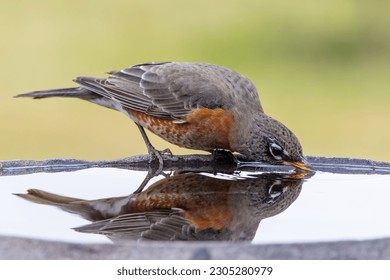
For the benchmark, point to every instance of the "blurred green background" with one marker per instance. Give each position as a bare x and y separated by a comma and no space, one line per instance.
321,67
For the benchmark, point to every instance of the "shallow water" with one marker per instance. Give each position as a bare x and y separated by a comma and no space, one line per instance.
280,207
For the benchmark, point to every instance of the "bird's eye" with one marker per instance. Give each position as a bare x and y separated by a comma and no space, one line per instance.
276,151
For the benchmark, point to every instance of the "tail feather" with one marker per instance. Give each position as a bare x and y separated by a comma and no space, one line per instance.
69,204
77,92
42,197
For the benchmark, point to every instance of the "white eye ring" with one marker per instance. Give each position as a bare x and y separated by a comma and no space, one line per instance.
276,151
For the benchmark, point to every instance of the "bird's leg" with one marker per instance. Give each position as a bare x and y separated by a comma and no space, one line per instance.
153,152
151,173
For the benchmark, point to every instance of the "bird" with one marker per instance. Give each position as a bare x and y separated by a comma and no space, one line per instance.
194,105
185,206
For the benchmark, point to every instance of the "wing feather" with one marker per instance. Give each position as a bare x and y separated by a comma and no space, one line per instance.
173,90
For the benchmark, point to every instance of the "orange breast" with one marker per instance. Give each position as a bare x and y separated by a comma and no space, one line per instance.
205,201
203,129
212,217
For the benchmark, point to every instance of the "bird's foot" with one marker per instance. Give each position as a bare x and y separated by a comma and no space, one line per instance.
153,152
166,151
158,155
224,155
156,166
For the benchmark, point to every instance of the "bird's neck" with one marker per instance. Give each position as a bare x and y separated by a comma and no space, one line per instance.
249,133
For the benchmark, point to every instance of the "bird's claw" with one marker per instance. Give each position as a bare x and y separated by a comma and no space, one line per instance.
158,155
224,155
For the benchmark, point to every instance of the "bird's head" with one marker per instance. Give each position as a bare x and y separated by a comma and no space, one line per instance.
272,142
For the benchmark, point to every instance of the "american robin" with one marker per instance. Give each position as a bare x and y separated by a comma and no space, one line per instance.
186,206
193,105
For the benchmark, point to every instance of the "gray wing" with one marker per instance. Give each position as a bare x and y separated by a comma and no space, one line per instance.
173,90
164,224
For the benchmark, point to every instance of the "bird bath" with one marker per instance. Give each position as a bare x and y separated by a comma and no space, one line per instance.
346,199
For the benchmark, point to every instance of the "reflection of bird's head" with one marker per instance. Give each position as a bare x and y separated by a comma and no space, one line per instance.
277,193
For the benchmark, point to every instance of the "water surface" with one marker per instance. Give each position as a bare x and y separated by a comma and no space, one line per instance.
278,207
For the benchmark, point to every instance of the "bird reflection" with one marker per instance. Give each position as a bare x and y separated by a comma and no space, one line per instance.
185,206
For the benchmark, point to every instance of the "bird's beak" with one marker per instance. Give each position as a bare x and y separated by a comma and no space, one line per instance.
303,165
